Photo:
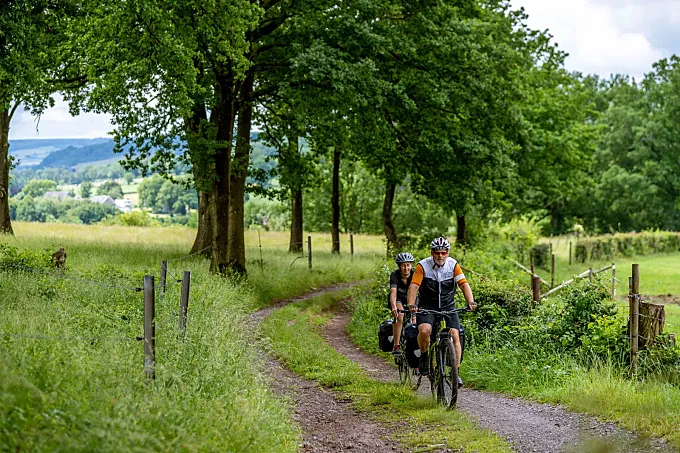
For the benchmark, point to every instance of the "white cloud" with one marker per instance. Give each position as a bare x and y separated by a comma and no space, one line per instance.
604,36
57,122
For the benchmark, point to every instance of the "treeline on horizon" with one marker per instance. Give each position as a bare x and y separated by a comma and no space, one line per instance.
458,103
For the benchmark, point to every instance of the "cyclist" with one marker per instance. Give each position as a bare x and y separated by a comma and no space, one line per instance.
400,280
435,279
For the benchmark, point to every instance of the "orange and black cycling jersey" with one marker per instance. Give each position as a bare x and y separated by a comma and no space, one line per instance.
438,283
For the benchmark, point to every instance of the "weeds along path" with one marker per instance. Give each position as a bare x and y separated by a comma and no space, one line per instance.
328,424
528,426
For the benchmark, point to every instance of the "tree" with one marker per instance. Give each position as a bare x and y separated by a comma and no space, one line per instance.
110,188
86,190
38,187
30,32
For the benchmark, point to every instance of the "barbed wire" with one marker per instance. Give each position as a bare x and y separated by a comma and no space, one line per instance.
69,338
4,266
190,255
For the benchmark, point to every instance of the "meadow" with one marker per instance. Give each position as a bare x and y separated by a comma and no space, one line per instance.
71,373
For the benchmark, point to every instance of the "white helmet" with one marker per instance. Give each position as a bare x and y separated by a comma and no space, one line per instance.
440,243
404,257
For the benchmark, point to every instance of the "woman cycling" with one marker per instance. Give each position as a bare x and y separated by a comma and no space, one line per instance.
400,280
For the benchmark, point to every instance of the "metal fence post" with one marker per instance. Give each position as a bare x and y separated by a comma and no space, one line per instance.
570,253
351,245
309,251
635,318
164,274
552,272
184,301
149,327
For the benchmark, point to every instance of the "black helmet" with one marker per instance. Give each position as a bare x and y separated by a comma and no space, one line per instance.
404,257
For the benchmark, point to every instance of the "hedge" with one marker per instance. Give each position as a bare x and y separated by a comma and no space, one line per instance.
626,244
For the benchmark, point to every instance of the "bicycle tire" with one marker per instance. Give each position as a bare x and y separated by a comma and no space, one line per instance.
449,374
407,375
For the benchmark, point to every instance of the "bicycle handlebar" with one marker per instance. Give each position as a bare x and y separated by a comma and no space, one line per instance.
436,312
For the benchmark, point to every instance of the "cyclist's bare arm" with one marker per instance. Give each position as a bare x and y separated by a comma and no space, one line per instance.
393,301
467,293
413,288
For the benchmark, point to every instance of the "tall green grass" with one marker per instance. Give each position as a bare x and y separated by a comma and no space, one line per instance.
84,388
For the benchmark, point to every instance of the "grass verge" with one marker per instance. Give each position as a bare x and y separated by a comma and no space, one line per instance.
295,340
648,406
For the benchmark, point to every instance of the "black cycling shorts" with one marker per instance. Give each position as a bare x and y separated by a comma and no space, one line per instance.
452,320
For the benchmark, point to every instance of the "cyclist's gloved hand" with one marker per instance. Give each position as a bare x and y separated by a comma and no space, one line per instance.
472,305
394,312
412,308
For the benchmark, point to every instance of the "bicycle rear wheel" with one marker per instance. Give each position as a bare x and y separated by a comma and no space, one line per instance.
407,375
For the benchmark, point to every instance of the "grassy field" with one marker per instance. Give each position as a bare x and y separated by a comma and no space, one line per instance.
659,282
423,424
71,375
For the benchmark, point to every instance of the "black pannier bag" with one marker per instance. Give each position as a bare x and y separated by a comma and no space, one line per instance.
412,348
386,336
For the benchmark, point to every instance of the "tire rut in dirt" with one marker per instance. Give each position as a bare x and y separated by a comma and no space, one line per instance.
528,426
328,422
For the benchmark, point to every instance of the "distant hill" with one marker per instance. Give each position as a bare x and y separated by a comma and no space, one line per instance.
33,151
72,155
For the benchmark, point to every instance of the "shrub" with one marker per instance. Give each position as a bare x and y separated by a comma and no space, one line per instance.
541,255
626,244
132,218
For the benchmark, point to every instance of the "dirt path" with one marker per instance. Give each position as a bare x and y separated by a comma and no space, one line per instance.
529,427
328,423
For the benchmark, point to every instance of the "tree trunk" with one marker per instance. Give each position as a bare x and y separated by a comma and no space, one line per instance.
388,226
220,200
652,320
335,202
461,233
296,220
205,225
195,136
236,256
5,222
296,227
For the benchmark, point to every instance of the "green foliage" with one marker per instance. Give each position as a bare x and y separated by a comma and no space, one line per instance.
110,188
541,255
163,196
586,313
37,187
13,256
628,244
86,190
132,218
269,215
68,211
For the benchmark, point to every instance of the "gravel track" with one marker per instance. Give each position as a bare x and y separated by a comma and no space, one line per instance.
328,422
528,426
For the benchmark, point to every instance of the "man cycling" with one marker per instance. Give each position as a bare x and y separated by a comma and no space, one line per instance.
400,280
435,280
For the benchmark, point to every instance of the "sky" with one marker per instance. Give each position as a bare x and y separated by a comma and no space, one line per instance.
602,37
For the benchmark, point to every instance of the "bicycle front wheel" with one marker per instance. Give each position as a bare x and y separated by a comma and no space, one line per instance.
447,391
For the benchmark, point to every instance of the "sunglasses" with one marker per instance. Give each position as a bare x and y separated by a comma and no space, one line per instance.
440,253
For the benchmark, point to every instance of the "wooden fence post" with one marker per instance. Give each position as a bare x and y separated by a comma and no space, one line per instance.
590,275
309,251
536,288
533,272
164,275
184,301
351,245
613,281
552,272
570,253
149,327
635,318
